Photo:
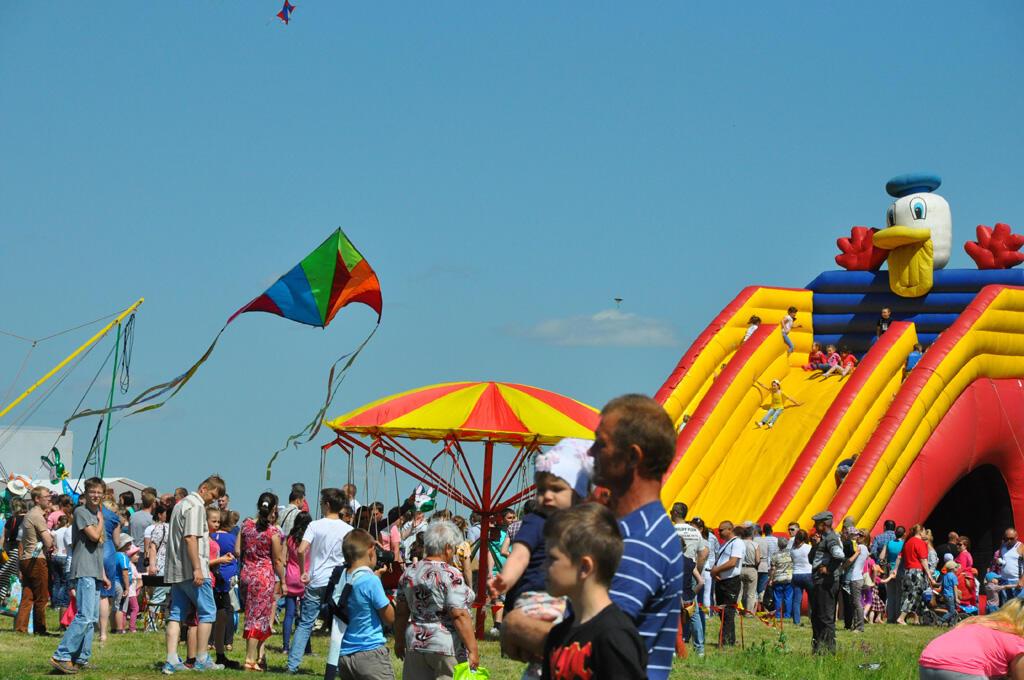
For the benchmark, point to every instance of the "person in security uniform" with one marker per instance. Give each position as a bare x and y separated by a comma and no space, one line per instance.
826,561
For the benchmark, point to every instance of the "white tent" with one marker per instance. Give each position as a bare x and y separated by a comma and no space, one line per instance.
118,484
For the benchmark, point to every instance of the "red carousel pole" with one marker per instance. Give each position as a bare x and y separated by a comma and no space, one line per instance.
484,552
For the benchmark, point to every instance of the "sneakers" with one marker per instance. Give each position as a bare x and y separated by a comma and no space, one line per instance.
207,664
65,667
172,668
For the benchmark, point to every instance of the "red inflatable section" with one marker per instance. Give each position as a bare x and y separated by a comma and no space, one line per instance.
984,427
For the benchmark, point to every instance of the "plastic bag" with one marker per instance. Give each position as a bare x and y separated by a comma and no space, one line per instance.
464,672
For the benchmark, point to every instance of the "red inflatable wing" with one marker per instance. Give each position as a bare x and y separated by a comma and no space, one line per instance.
859,252
996,249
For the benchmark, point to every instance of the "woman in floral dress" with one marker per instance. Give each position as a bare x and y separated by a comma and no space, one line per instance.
262,554
432,620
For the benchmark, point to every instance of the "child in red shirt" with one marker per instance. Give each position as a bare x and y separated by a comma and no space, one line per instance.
849,361
816,359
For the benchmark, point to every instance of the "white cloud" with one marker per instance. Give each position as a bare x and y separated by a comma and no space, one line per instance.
608,328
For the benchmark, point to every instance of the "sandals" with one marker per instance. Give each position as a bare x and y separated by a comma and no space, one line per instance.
255,667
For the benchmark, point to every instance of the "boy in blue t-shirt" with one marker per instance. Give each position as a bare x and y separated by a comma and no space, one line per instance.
358,646
948,589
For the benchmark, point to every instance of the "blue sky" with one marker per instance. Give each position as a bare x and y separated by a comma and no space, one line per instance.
508,170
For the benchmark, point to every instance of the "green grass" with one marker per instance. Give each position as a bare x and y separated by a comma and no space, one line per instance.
767,654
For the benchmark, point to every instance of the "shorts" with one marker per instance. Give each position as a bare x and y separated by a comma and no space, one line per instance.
186,595
160,597
539,605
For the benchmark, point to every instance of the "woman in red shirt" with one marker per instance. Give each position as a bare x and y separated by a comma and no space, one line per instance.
915,560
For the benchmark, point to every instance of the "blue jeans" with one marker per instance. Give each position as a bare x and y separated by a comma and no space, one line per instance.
291,604
801,582
1008,594
60,595
762,582
783,593
695,627
789,343
772,415
76,645
309,612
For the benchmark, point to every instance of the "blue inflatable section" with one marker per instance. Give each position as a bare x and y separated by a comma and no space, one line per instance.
945,281
847,305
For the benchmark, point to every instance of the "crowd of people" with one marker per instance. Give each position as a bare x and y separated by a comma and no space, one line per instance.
578,588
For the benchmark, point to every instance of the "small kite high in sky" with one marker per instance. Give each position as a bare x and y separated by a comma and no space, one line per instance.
285,14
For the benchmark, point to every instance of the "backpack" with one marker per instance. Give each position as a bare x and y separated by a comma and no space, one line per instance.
338,606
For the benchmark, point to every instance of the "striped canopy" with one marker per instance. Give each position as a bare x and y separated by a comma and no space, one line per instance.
474,411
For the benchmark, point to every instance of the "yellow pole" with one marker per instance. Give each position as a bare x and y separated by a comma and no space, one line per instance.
71,356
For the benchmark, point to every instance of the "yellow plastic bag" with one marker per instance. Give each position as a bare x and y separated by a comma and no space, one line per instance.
464,672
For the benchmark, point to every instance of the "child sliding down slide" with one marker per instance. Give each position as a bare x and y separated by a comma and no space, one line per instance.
778,403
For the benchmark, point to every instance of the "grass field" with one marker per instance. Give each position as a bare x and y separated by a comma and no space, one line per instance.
767,654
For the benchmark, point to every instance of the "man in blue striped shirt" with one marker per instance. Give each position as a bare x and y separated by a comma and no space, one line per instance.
635,443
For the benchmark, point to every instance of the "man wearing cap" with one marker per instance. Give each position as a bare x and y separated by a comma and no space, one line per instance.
826,559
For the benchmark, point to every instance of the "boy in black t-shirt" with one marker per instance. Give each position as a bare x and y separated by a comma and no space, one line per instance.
884,321
596,641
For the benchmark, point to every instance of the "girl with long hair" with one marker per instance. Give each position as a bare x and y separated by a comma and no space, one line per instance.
261,549
294,588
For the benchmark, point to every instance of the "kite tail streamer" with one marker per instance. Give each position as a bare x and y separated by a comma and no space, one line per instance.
334,380
155,391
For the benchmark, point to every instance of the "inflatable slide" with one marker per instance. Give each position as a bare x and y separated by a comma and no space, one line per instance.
926,440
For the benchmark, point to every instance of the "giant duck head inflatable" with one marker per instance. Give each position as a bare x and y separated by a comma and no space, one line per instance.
918,233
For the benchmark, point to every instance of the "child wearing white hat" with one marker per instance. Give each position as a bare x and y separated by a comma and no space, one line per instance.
562,479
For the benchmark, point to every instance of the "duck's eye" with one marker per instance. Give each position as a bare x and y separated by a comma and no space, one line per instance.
918,209
890,216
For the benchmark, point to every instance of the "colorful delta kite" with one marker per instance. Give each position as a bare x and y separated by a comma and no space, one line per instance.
285,14
332,276
312,292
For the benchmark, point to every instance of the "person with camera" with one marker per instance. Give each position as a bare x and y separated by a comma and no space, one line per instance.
361,609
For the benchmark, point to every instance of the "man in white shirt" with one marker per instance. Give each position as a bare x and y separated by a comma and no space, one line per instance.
695,555
726,572
322,542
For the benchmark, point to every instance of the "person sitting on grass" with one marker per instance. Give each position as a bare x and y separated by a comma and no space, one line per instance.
778,403
597,640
